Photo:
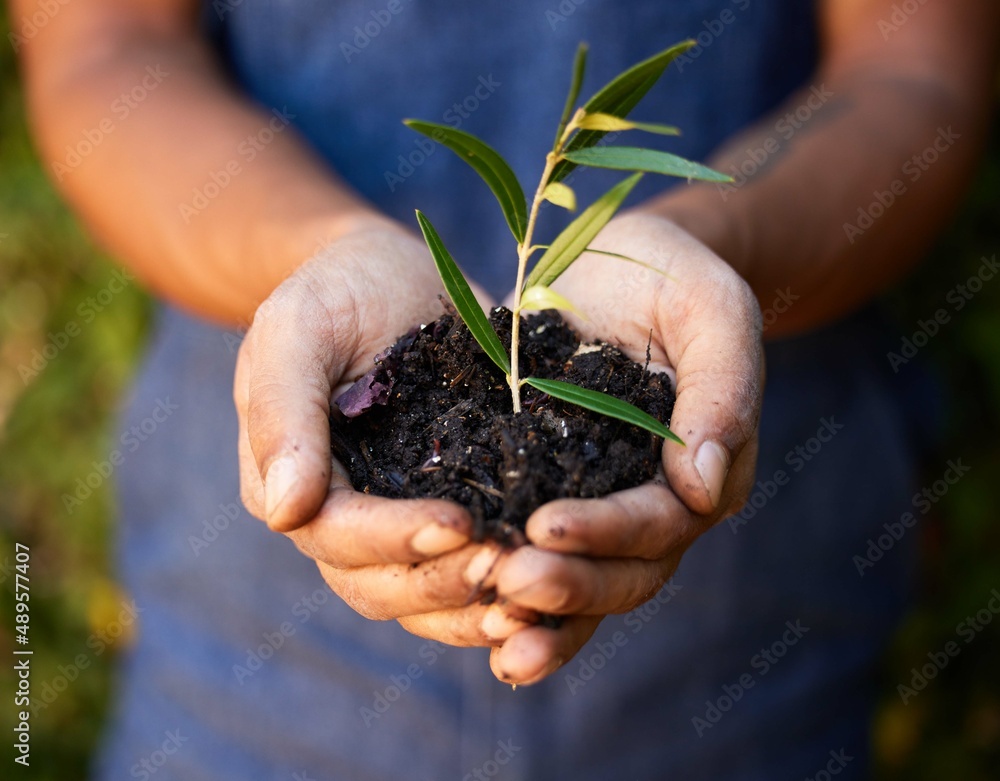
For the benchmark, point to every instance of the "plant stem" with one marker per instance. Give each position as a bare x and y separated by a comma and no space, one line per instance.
524,250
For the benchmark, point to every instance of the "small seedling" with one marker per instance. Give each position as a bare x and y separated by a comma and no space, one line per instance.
576,144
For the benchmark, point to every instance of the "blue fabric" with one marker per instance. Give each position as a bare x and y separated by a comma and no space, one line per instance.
267,675
500,69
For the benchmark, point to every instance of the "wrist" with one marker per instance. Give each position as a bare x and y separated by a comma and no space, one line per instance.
699,211
274,249
367,251
314,236
320,236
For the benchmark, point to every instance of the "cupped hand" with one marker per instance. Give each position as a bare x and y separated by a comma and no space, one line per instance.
317,332
593,557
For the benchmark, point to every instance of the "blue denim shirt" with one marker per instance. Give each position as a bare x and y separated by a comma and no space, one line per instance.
755,663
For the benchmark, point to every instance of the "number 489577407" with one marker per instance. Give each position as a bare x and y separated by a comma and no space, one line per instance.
21,590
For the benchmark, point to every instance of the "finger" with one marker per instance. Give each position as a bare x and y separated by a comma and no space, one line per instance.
460,627
706,324
503,618
290,363
647,522
353,529
562,585
251,486
535,653
481,571
720,373
390,591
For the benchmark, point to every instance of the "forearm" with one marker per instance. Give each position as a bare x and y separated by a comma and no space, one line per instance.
834,203
210,200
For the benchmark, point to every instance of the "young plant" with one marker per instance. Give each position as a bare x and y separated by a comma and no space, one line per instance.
576,144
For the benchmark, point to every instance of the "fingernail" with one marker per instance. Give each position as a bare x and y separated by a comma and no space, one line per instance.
435,539
281,476
541,595
712,463
551,667
496,624
530,582
479,567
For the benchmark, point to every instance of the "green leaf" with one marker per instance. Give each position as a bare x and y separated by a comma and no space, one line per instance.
634,83
610,123
542,297
579,65
627,158
604,404
561,195
619,97
488,163
462,296
573,241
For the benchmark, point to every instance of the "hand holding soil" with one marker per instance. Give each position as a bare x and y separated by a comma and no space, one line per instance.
325,323
589,557
593,557
506,413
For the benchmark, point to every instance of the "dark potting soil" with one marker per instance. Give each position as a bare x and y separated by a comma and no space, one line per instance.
435,419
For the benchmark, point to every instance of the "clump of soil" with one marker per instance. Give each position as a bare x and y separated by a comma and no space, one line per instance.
435,419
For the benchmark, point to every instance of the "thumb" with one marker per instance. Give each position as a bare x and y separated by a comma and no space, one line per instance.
720,378
295,351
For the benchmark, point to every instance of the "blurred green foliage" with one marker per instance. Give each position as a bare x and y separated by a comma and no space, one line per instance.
951,729
55,423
